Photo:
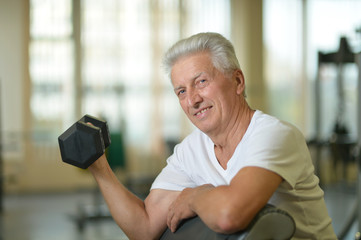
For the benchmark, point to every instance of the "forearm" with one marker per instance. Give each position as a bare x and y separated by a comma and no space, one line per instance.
128,210
216,207
231,208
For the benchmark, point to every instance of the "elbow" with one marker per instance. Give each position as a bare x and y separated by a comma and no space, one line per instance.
231,222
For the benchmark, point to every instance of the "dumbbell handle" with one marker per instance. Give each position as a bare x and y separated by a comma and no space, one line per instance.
100,124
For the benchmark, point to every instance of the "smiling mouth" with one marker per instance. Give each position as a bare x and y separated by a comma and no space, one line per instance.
202,111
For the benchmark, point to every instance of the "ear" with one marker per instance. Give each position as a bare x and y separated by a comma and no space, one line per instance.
238,75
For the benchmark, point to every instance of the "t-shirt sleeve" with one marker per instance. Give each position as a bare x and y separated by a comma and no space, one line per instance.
280,148
173,176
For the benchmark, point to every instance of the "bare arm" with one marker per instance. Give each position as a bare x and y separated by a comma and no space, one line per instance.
226,209
138,219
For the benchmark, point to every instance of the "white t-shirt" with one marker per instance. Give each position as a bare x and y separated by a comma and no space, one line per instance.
268,143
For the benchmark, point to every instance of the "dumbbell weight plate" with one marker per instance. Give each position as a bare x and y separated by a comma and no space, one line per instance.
81,145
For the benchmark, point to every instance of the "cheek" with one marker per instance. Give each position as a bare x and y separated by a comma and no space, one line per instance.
183,105
225,102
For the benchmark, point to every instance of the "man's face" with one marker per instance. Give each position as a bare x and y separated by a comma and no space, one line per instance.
206,95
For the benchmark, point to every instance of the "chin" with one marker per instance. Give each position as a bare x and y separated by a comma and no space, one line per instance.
204,126
204,129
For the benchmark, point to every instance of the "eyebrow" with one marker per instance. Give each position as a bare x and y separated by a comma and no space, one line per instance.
193,78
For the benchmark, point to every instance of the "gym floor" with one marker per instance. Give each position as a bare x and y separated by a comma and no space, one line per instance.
52,216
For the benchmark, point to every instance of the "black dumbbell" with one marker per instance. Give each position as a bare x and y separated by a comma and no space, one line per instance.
82,143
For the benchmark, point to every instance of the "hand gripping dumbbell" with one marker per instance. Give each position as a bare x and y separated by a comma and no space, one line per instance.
83,143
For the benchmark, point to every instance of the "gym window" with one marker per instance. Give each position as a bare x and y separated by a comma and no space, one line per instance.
103,58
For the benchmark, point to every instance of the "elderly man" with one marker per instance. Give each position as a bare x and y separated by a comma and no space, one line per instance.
236,161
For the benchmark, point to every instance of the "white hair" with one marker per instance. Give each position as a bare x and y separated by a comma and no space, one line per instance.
221,50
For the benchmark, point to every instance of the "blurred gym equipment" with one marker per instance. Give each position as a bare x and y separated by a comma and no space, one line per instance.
344,147
340,141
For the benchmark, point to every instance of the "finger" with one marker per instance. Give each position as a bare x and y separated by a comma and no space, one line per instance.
173,225
169,217
175,220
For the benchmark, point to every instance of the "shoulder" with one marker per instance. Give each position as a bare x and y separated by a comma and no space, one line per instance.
265,124
264,120
192,146
270,134
278,146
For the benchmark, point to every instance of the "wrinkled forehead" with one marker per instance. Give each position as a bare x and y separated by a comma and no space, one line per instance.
191,65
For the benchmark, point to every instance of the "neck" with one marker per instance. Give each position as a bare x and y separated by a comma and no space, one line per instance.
226,141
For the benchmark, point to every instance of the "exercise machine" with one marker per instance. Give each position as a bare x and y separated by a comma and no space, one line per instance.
269,223
356,210
341,141
343,145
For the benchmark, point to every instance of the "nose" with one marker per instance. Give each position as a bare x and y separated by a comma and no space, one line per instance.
194,99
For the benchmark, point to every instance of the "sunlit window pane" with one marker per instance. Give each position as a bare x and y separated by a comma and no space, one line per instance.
50,18
51,64
208,16
283,55
117,64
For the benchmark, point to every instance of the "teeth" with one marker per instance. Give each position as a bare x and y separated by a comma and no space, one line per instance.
202,111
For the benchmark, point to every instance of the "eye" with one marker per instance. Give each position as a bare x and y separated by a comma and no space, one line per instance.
181,92
202,83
